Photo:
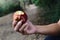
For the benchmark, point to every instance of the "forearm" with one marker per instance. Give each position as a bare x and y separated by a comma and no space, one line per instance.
51,29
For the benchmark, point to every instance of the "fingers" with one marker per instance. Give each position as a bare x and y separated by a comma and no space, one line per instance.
16,19
26,30
14,23
23,27
18,25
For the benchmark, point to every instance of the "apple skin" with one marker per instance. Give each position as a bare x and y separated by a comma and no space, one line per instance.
20,15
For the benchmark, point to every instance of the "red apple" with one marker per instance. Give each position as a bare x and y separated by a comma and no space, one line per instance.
20,15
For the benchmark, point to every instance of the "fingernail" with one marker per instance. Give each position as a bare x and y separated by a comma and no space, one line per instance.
15,29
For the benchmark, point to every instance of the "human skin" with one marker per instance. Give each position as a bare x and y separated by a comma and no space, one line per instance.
29,28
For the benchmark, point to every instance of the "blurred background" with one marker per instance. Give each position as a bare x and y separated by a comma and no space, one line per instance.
40,12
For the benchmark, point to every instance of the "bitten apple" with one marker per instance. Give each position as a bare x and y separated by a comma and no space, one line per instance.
20,15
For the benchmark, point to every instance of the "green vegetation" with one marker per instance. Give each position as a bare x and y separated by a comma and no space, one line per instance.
8,6
51,7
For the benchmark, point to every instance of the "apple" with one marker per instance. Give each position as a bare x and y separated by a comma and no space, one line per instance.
20,15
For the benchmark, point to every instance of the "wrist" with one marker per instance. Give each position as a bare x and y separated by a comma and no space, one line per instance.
37,29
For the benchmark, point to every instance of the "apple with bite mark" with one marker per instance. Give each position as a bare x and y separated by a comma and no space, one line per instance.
20,15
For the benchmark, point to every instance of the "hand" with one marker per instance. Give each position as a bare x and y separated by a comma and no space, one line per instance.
26,28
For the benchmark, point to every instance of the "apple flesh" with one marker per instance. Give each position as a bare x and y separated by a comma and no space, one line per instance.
20,15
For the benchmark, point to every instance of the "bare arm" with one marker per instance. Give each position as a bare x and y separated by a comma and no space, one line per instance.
51,29
29,28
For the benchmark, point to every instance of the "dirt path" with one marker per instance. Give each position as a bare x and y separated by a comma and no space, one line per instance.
7,33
